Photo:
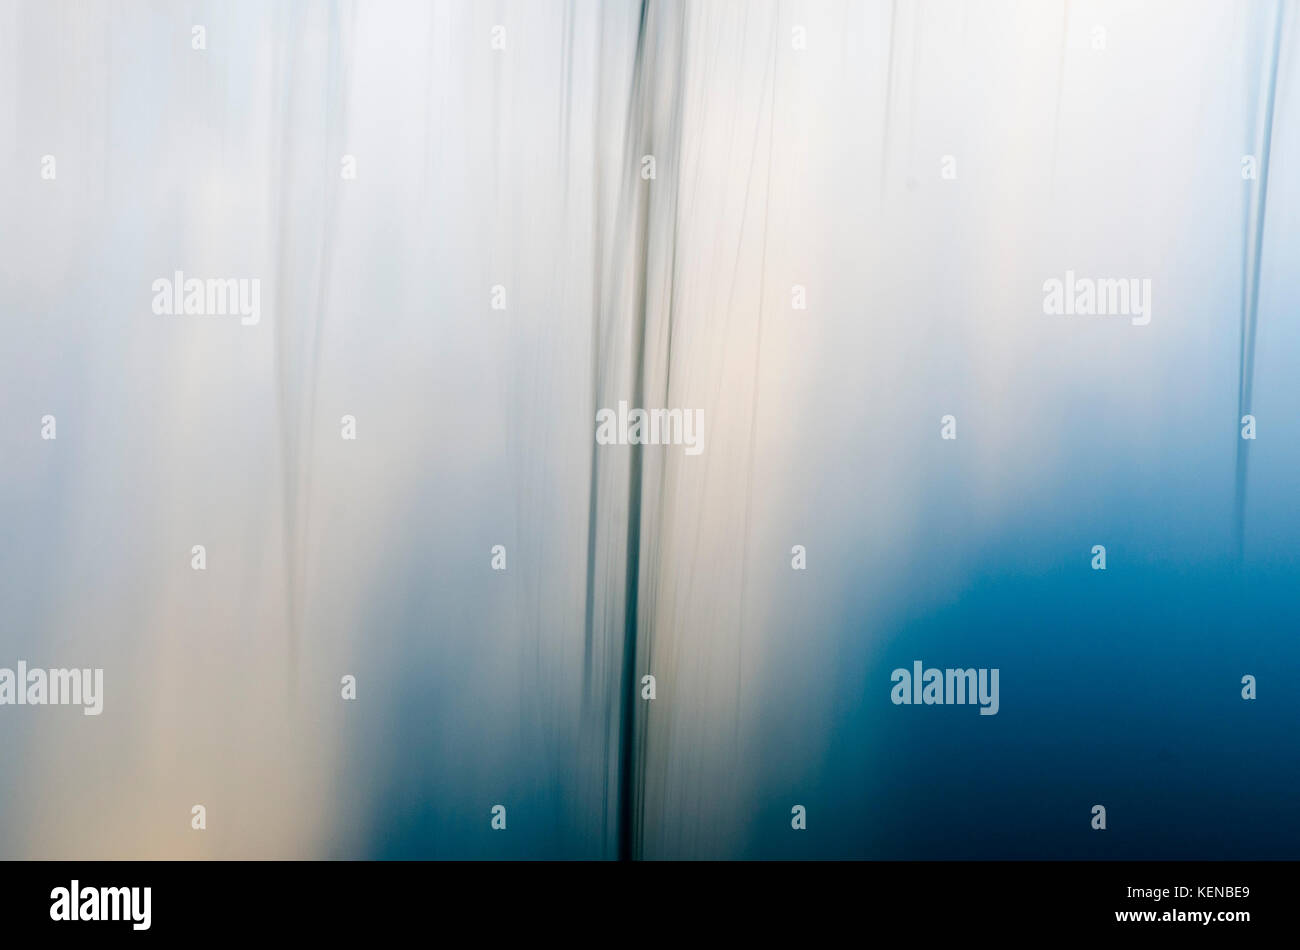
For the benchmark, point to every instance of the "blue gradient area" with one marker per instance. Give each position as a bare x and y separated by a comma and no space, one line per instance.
1116,689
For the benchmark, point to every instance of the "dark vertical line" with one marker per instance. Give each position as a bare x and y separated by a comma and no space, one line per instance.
647,640
626,838
626,808
587,709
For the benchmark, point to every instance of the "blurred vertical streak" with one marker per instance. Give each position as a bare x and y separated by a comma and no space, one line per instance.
889,102
1251,258
300,323
1060,84
627,328
627,677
